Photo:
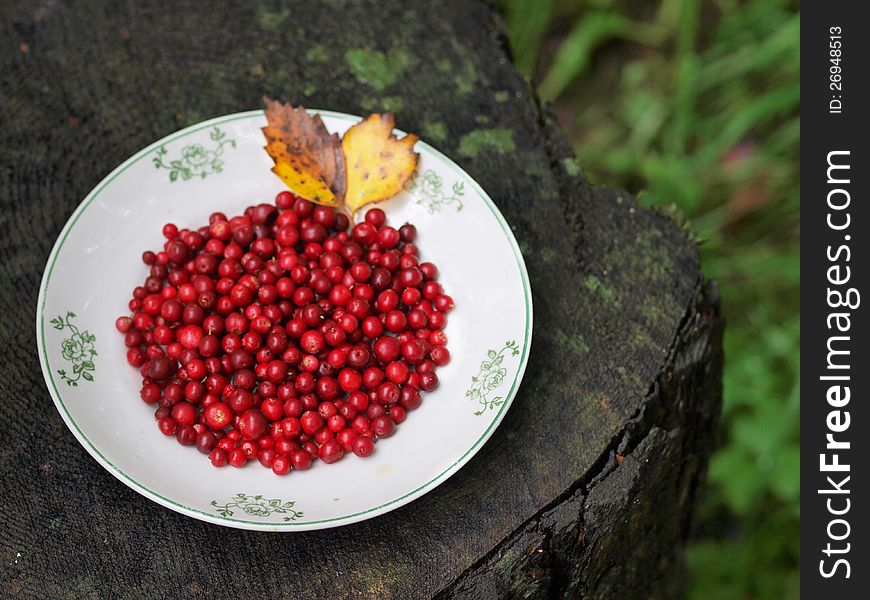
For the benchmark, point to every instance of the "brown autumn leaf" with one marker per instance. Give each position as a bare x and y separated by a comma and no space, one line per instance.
378,163
307,157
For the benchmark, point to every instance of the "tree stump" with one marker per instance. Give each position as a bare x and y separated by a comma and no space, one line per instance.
587,487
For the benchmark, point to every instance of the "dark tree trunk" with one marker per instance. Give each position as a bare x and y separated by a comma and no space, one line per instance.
588,486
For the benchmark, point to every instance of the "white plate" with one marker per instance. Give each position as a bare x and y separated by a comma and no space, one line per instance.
221,165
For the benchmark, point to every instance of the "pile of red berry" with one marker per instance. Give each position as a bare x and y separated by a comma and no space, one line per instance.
280,336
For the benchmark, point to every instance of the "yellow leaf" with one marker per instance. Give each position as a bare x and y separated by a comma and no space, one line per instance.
378,163
299,174
307,157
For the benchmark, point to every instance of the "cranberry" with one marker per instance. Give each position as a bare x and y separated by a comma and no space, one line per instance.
167,426
270,326
253,424
237,457
300,459
363,446
409,398
280,465
376,217
272,408
331,451
311,422
184,413
206,441
372,377
161,367
443,303
218,457
190,336
428,382
150,393
388,393
413,351
186,436
383,426
407,233
123,324
218,415
387,349
365,232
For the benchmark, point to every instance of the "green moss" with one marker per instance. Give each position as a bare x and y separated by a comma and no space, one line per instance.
653,313
648,256
547,255
464,86
386,103
597,408
640,337
502,96
499,140
465,74
317,54
435,131
593,284
576,343
376,69
571,166
271,20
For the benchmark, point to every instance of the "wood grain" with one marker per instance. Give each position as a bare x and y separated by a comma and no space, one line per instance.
587,486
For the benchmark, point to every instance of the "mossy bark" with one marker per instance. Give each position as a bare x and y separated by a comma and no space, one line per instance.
587,487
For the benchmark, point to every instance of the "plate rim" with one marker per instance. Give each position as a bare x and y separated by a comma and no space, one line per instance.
196,513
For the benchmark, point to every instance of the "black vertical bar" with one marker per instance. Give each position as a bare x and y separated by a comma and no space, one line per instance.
834,371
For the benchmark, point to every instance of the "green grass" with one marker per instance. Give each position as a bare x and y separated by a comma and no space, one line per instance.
697,105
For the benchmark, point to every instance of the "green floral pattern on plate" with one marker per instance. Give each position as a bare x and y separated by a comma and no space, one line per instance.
78,350
196,160
428,191
258,506
490,377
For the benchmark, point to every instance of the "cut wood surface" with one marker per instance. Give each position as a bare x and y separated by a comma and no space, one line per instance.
587,487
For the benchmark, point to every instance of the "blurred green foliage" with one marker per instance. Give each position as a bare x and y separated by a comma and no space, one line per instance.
697,104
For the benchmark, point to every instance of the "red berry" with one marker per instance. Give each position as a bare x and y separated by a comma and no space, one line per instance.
218,415
280,465
376,217
270,326
428,382
311,422
218,457
253,424
363,446
413,351
440,355
300,459
123,324
331,451
397,372
350,380
184,413
167,425
443,303
237,457
407,233
186,436
190,336
383,426
206,441
387,349
273,409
